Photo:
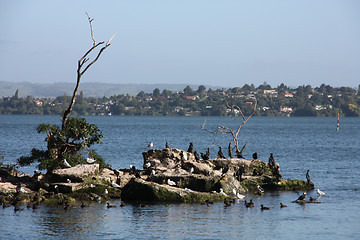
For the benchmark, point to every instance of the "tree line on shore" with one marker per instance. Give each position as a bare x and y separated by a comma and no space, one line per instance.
280,101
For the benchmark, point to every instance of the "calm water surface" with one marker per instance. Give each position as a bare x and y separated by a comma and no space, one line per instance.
298,144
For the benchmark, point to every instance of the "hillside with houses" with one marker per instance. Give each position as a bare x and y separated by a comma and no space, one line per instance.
282,100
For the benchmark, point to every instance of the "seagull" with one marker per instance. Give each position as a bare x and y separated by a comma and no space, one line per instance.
147,165
114,184
67,164
264,208
321,193
282,205
187,190
92,185
240,196
222,192
150,145
191,170
68,180
183,156
234,191
152,172
260,189
90,160
171,183
106,191
302,197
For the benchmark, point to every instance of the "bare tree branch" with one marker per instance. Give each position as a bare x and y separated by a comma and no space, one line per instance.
228,130
82,69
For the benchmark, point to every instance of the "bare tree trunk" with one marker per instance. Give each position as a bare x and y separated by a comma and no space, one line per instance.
81,71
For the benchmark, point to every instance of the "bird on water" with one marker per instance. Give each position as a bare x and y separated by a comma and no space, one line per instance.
282,205
264,208
321,193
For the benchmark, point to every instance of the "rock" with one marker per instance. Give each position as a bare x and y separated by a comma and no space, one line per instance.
75,174
141,190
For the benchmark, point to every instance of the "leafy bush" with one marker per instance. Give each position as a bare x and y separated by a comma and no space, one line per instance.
72,143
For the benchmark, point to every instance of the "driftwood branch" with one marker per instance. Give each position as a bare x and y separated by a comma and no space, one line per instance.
82,68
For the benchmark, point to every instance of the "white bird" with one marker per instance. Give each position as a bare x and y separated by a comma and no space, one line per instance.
187,190
92,185
150,145
240,196
321,193
67,164
147,165
68,180
171,183
114,184
234,191
153,172
222,192
90,160
260,189
191,170
184,157
106,191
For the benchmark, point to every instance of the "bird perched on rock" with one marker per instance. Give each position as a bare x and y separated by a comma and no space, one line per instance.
260,189
170,182
151,144
204,156
271,161
222,192
183,156
90,160
106,191
114,184
68,180
147,165
308,176
191,170
167,145
191,147
302,197
238,154
66,164
220,154
196,155
225,170
255,156
230,151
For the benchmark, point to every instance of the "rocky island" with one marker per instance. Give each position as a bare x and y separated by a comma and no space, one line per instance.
170,175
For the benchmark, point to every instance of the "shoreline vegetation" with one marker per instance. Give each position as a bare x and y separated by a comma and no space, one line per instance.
320,101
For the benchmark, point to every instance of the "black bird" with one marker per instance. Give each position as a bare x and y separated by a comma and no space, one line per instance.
191,147
122,204
143,205
203,156
166,145
229,151
238,154
66,206
282,205
271,161
82,205
312,199
240,172
225,170
220,154
308,176
110,206
255,156
302,197
276,172
264,208
197,157
249,204
227,203
17,208
135,171
208,202
208,153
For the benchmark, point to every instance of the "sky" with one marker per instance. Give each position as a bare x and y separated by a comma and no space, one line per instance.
211,42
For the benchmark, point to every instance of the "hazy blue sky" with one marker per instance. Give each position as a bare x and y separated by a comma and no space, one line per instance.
223,43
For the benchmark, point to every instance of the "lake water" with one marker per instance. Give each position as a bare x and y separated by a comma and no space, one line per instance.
298,144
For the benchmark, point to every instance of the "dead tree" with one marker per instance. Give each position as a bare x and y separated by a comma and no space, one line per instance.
233,132
82,68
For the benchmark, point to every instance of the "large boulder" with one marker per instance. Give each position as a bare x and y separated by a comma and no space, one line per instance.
75,174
